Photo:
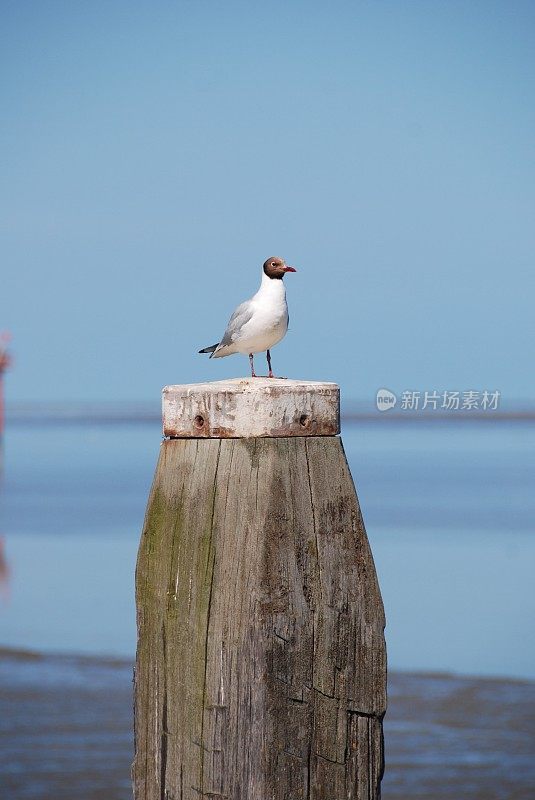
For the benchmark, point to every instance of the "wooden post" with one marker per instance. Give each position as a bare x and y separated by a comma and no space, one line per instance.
261,663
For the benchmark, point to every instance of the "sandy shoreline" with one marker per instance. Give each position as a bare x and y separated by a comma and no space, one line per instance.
66,731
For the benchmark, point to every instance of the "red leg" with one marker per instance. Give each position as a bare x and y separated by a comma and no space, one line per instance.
268,356
251,362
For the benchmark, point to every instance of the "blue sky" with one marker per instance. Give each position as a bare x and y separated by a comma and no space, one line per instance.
154,154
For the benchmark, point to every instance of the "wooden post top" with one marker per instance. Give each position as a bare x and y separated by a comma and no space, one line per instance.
248,407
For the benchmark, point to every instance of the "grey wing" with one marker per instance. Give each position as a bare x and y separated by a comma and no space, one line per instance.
241,316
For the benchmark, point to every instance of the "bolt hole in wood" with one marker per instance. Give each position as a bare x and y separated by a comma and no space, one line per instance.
304,420
199,421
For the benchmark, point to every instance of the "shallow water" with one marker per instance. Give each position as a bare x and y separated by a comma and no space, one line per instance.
449,509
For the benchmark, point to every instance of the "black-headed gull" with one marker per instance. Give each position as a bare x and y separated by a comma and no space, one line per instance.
259,323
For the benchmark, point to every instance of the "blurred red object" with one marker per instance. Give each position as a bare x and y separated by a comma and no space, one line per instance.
4,571
5,362
5,358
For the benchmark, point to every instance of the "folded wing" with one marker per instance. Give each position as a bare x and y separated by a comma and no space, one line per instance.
241,317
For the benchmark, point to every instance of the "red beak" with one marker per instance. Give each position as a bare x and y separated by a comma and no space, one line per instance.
289,269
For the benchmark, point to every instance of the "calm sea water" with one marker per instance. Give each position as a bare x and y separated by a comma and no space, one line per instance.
449,508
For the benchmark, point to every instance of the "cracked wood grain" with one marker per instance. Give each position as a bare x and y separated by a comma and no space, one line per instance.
261,664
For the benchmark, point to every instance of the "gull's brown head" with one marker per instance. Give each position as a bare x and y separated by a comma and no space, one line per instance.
276,267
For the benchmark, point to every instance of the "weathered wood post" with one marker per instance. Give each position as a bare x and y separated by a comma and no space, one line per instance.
261,664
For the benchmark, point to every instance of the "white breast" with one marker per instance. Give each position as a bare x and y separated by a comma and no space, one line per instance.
269,322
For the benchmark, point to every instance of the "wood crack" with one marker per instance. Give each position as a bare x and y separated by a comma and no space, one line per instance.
365,714
163,737
210,566
330,760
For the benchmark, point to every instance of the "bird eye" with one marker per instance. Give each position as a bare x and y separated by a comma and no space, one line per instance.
273,264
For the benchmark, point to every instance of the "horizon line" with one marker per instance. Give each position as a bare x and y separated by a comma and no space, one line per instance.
144,411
